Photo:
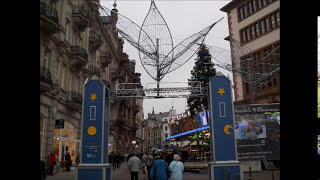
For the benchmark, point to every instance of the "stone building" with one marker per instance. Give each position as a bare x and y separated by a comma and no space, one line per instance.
76,43
256,25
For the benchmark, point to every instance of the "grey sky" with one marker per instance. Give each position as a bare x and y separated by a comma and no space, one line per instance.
184,18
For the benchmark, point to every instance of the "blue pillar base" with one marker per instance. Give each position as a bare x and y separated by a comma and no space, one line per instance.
93,171
224,170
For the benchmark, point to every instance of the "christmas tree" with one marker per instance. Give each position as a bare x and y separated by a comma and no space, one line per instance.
203,71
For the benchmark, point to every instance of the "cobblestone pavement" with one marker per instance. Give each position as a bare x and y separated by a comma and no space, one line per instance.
123,174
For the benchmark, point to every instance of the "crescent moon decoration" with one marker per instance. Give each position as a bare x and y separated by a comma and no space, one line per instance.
226,129
154,42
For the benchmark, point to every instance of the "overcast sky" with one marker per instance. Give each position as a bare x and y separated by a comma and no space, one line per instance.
183,18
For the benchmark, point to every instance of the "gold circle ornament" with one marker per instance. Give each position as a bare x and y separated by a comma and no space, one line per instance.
92,130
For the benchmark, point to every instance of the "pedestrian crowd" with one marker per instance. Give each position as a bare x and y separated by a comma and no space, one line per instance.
162,166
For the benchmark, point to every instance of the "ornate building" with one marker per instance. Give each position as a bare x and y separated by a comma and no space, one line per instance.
76,43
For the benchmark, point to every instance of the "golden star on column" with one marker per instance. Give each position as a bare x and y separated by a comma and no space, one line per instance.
221,91
93,96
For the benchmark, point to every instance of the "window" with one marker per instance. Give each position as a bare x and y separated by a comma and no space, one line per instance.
262,27
278,18
74,35
47,55
267,24
166,128
264,3
243,36
259,4
241,13
245,11
258,29
254,5
250,8
273,21
247,88
253,32
248,34
67,30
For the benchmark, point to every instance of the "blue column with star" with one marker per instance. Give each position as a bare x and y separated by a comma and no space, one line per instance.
94,136
224,164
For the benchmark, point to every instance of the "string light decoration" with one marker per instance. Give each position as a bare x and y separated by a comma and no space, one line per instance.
154,42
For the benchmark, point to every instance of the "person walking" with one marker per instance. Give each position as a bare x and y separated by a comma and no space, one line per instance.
176,168
159,169
111,159
52,162
148,163
68,161
118,159
143,163
134,165
42,170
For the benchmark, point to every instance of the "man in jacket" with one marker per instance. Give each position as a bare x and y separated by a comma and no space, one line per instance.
134,164
149,161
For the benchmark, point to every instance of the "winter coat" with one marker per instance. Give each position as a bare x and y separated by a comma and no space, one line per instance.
52,159
149,160
159,170
143,160
176,168
134,164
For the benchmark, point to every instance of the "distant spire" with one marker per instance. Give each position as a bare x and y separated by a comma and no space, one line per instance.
115,4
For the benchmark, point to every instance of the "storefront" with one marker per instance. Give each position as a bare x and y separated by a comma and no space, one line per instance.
65,141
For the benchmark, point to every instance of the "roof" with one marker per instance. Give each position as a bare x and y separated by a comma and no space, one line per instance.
231,5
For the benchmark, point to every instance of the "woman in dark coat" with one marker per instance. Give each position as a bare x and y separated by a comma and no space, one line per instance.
68,161
159,169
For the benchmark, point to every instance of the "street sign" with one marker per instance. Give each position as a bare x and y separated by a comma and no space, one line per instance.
59,124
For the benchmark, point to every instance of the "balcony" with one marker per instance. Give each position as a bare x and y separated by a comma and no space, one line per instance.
121,121
80,17
135,127
79,55
94,39
74,100
94,70
45,79
49,22
105,58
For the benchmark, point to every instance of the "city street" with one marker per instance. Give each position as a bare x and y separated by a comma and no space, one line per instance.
123,174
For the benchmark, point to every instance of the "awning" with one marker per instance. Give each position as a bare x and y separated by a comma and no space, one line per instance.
188,132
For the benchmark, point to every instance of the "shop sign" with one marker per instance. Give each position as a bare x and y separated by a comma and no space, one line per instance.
59,124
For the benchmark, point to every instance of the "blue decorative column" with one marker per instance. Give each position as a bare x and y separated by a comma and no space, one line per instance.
95,129
224,164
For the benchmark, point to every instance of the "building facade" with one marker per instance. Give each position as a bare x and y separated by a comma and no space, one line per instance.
76,43
255,24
